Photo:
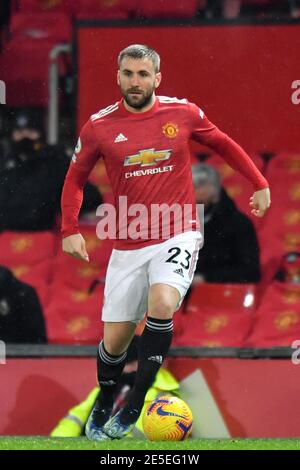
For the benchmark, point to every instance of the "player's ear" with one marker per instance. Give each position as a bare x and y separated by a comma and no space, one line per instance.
157,79
118,77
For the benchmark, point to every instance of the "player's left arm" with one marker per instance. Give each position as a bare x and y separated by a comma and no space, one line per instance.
206,133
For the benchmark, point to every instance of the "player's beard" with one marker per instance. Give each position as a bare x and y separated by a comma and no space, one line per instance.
139,101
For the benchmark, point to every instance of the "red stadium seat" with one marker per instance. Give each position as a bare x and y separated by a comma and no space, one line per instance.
277,321
79,274
99,250
102,9
26,248
167,8
280,232
37,276
51,26
29,255
24,68
40,6
73,316
24,62
280,229
285,167
217,315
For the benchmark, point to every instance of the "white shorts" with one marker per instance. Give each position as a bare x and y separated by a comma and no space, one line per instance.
130,273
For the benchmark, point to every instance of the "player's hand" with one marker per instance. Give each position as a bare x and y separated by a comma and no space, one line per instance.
74,245
260,202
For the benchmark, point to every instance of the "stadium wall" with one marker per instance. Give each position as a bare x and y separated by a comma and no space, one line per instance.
228,397
244,76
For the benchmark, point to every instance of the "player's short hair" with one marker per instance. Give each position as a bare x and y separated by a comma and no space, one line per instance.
140,51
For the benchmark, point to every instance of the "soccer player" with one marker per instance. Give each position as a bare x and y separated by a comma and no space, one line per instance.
143,139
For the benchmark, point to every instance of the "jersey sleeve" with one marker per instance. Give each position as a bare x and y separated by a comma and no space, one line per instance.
85,156
206,133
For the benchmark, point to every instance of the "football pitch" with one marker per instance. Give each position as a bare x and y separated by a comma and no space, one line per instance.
45,443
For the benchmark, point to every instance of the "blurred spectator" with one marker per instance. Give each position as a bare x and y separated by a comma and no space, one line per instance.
230,252
295,8
226,8
31,179
4,12
21,316
289,270
233,8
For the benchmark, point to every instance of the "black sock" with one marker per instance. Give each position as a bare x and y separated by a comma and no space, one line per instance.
109,370
153,348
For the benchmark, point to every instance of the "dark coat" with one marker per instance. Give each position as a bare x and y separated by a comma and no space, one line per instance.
30,191
21,316
230,252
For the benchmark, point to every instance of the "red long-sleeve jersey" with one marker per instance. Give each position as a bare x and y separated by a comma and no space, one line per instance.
147,159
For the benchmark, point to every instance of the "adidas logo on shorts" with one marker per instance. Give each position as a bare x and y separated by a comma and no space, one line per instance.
179,271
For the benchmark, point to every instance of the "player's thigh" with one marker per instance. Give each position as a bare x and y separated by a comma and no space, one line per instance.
173,265
118,336
126,287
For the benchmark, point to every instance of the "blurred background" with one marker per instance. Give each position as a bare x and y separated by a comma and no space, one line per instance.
239,61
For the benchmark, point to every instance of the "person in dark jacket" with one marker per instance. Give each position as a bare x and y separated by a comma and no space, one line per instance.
31,179
4,12
230,252
21,316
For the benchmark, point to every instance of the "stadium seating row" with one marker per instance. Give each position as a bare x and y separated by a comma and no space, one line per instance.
117,9
122,9
72,293
279,231
36,26
219,315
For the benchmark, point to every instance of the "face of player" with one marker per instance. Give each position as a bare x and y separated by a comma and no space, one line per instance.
138,80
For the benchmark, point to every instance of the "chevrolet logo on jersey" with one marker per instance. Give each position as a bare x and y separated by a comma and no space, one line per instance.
147,157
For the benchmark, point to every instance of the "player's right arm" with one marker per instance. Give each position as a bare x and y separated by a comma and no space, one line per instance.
83,161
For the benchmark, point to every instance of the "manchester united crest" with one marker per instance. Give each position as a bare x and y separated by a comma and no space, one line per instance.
170,130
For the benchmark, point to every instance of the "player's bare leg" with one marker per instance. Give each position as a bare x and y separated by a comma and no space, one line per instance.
117,336
111,358
154,346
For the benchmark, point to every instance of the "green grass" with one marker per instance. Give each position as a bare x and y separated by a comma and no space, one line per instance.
45,443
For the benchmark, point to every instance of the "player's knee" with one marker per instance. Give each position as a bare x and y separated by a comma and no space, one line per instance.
162,308
113,347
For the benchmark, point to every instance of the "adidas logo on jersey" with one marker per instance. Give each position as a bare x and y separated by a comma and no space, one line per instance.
179,271
120,138
158,359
